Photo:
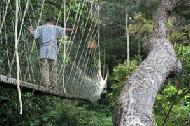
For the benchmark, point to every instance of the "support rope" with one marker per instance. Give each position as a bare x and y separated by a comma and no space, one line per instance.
17,56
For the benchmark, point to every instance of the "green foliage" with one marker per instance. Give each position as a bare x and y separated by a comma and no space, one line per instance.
172,104
51,111
140,25
37,110
82,114
118,79
139,30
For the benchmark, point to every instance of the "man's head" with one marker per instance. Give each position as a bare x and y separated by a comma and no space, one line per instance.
50,19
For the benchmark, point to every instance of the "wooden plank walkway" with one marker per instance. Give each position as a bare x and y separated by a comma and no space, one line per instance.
37,89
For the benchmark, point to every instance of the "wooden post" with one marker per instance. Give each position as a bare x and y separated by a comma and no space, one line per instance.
127,34
64,45
99,61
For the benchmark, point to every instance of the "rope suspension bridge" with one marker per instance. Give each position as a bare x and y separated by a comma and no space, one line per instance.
79,56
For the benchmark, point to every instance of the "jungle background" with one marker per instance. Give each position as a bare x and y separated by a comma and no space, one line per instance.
172,106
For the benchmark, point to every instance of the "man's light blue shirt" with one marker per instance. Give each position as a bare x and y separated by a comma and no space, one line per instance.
48,45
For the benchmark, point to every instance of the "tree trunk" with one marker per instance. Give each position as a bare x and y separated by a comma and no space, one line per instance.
135,104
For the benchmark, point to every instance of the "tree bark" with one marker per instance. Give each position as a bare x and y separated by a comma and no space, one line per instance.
136,101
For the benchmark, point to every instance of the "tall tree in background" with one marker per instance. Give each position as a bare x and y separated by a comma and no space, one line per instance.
137,98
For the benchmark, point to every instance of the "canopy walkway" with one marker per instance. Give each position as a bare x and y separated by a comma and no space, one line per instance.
7,82
79,59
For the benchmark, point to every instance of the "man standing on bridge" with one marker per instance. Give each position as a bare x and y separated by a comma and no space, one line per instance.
48,33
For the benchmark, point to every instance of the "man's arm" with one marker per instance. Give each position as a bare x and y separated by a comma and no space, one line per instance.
60,31
71,29
36,33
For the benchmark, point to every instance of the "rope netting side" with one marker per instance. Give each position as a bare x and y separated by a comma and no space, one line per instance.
79,67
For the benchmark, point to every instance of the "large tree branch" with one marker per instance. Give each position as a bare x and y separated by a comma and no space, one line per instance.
136,101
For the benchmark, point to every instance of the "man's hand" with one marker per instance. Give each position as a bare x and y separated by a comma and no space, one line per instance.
30,29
